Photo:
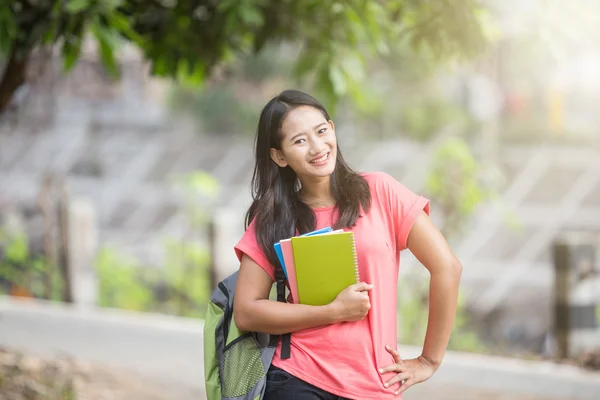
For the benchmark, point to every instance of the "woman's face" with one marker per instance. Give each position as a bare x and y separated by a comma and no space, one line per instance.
308,143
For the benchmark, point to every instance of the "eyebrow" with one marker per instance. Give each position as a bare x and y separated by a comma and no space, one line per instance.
302,133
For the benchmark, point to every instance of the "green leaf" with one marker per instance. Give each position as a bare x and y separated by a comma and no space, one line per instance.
355,28
353,66
338,80
368,100
304,65
184,22
189,75
107,56
76,6
251,16
18,250
183,70
38,265
123,25
107,42
159,67
198,74
71,51
200,182
108,6
227,5
50,35
325,87
8,29
373,16
231,22
353,16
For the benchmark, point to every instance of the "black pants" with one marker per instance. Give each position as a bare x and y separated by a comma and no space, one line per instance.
282,385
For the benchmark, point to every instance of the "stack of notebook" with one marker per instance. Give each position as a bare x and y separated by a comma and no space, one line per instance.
318,265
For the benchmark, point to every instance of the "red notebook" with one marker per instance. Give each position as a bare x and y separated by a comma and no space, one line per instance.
288,257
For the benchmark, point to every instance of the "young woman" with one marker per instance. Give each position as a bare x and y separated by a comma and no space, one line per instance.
347,349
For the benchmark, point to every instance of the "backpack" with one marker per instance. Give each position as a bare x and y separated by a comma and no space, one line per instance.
236,362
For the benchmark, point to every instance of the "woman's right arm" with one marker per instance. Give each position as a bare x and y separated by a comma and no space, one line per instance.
253,311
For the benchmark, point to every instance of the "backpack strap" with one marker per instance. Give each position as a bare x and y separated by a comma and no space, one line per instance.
285,338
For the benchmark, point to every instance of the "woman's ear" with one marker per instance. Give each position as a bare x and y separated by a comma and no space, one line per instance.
332,125
278,158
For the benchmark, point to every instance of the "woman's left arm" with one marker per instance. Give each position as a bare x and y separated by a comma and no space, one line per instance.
428,245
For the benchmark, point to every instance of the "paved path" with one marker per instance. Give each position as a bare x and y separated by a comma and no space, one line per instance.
168,350
161,347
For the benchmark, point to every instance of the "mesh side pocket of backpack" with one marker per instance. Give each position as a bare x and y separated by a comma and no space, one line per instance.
242,367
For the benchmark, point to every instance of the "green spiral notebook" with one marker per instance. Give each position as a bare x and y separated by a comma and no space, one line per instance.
325,265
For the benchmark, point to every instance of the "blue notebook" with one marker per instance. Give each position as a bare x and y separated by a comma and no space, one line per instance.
277,246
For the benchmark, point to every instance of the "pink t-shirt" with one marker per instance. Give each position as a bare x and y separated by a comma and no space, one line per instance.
344,358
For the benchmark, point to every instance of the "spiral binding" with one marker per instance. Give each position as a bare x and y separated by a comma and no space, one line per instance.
355,256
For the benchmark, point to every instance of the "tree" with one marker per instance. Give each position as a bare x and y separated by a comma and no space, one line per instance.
186,39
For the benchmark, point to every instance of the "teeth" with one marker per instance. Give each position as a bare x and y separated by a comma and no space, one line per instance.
320,159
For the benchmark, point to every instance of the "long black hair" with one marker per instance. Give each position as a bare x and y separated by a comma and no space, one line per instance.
278,209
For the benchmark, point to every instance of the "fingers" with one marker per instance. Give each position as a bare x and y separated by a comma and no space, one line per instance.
397,367
363,286
408,383
394,353
398,378
409,372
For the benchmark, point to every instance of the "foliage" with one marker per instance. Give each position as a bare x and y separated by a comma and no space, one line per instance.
187,272
454,183
16,254
412,311
181,286
120,282
188,260
23,270
26,25
335,38
170,289
464,338
413,316
186,39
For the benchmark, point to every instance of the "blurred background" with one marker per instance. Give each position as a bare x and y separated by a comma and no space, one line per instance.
126,153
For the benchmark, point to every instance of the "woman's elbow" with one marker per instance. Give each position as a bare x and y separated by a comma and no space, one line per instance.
456,268
449,267
241,317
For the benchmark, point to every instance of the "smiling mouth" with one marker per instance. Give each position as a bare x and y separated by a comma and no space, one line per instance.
325,157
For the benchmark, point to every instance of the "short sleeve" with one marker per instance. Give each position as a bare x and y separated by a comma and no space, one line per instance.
405,207
249,245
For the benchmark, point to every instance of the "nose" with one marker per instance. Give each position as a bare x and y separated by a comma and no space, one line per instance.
317,146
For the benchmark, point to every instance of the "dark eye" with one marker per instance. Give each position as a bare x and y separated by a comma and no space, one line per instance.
322,130
299,141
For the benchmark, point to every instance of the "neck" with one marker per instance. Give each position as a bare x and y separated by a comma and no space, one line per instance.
317,192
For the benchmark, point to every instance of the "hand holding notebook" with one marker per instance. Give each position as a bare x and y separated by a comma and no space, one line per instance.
353,303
